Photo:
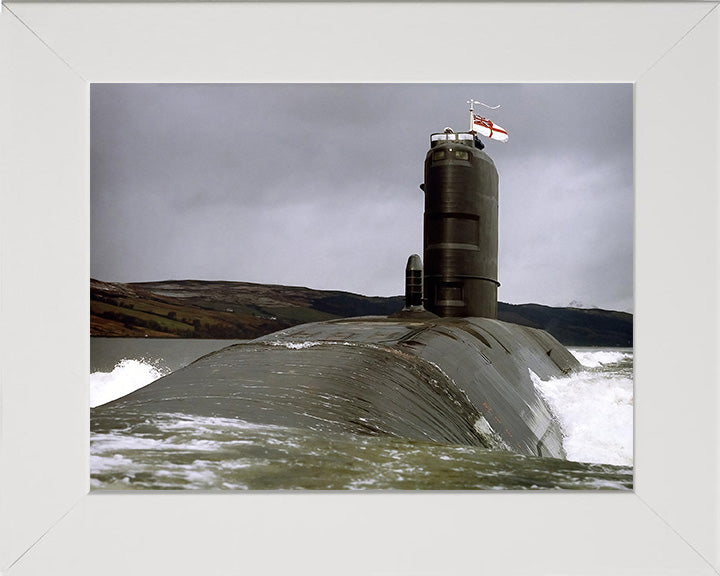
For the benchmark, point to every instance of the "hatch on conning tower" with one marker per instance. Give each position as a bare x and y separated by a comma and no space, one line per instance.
461,227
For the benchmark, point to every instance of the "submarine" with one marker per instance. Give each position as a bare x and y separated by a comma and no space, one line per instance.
443,369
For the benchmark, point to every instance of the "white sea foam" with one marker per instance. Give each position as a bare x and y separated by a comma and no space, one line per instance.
597,358
207,425
595,410
295,345
127,376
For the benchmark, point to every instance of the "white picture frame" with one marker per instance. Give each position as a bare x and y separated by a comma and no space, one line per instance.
51,524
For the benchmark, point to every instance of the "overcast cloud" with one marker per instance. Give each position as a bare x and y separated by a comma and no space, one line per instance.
318,185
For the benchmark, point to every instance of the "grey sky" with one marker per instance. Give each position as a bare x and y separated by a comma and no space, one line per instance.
317,185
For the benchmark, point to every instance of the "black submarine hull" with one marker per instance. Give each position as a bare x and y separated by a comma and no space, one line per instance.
446,380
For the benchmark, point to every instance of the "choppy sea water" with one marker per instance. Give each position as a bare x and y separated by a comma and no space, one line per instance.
177,451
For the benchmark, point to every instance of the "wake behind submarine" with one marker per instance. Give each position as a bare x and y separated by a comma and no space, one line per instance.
443,369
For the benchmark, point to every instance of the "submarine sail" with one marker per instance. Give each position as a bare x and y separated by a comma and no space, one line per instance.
461,228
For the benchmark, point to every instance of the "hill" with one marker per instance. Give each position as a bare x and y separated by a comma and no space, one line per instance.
213,309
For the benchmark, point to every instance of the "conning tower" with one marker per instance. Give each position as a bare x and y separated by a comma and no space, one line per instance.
461,227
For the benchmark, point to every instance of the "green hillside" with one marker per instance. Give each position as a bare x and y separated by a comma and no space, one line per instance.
239,310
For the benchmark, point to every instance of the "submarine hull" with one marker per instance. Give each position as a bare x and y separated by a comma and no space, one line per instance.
446,380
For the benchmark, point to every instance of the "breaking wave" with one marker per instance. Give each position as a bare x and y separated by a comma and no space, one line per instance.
594,407
598,358
127,376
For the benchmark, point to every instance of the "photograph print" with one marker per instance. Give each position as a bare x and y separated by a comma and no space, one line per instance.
361,287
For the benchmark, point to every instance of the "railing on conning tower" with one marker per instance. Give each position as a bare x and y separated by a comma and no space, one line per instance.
465,138
451,137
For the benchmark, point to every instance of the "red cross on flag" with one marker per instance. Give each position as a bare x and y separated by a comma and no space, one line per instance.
488,128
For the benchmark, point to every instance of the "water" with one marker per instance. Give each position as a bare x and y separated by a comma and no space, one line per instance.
595,407
119,366
176,451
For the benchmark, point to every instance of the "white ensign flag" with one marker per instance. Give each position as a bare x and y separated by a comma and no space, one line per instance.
488,128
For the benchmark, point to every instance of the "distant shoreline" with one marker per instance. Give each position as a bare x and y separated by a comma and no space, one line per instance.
243,310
